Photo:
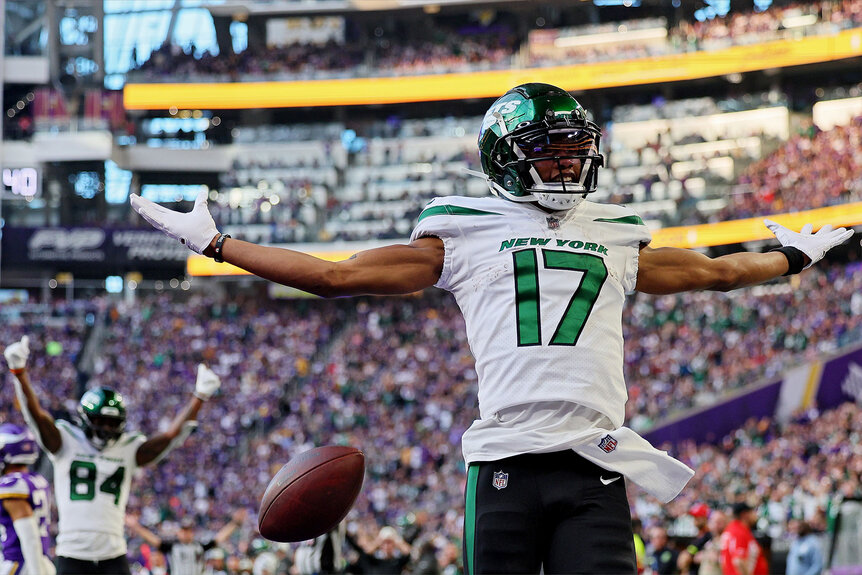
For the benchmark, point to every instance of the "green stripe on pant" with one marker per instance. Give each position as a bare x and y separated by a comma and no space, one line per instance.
470,518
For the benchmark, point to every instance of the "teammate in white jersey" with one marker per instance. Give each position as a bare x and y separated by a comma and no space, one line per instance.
540,276
94,463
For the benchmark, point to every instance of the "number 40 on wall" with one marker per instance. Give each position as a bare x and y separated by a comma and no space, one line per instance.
21,181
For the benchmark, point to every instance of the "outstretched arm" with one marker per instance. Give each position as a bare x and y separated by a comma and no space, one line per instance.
35,416
672,270
396,269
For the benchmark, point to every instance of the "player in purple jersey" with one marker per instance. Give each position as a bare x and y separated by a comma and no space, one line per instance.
25,505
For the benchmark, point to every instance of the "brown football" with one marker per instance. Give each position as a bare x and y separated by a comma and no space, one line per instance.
312,493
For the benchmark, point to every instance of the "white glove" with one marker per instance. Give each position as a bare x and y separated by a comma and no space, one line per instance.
814,246
196,229
17,353
207,383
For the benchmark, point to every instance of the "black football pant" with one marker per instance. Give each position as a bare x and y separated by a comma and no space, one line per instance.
115,566
554,512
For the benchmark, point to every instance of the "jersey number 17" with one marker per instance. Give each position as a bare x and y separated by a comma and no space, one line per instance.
527,296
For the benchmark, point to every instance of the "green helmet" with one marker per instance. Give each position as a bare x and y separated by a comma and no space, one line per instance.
537,145
103,416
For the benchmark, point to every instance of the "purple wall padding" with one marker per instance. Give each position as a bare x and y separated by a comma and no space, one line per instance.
835,378
838,383
711,424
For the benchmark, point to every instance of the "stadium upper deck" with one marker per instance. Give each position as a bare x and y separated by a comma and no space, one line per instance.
481,53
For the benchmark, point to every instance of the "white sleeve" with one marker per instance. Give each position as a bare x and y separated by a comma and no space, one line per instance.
31,545
639,235
436,220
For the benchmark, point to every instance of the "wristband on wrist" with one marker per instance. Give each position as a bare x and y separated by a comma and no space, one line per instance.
200,396
795,259
18,370
218,247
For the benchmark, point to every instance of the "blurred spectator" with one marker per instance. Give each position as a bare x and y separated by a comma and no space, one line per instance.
385,554
688,561
662,557
323,555
449,557
425,562
640,545
709,557
265,561
215,562
805,556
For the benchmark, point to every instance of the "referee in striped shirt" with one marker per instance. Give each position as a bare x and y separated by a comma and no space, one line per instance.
185,555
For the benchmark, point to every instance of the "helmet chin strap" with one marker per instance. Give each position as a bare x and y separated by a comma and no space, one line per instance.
558,202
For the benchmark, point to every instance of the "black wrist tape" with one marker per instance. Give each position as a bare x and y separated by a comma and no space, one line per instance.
795,259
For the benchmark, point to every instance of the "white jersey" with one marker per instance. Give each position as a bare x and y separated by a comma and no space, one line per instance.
542,297
92,489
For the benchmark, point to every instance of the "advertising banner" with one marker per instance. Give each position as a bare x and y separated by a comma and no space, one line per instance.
75,247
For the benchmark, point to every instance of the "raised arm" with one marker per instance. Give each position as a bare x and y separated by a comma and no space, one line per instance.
158,446
228,528
673,270
135,527
36,417
393,269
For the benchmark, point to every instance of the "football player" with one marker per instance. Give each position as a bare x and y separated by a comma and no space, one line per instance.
540,274
94,462
26,507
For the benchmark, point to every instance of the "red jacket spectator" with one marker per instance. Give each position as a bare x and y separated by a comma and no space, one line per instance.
740,552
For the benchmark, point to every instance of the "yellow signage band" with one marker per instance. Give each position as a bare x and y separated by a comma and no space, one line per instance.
753,229
397,90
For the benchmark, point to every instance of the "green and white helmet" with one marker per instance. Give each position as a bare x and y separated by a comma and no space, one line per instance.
102,412
537,145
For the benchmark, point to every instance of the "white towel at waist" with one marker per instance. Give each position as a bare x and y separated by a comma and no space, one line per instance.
547,427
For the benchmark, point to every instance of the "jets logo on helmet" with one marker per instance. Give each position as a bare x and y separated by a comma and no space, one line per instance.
537,145
17,446
102,414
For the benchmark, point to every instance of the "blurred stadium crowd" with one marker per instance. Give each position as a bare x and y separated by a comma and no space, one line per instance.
395,376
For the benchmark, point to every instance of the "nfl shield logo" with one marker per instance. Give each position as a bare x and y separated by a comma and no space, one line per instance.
501,480
607,444
553,223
